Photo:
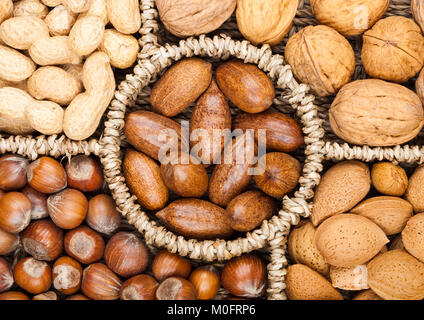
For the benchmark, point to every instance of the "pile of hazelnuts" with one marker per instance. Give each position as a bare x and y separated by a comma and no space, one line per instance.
62,238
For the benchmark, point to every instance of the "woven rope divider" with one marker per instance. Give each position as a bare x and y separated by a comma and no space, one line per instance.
126,97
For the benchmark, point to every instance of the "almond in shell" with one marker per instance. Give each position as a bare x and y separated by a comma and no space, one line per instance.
351,278
413,236
415,192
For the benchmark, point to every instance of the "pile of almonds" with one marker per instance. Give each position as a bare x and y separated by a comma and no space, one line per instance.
69,247
373,248
182,195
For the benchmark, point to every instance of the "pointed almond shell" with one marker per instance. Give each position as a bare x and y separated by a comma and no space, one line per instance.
396,275
353,278
389,213
348,240
413,236
303,283
341,188
302,248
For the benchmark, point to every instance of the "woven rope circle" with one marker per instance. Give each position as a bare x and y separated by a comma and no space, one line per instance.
219,48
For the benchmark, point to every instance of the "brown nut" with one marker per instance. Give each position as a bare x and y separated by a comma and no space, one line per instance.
265,21
283,133
67,275
145,130
210,113
141,287
38,202
247,86
349,18
419,86
367,295
13,174
393,49
84,244
84,174
311,53
348,240
167,264
248,210
43,240
32,275
8,242
49,295
397,115
280,174
390,213
396,275
15,209
13,295
417,8
415,193
206,282
303,283
185,18
100,283
6,276
413,237
389,178
175,288
195,218
340,189
144,179
302,248
180,86
233,174
46,175
351,278
102,215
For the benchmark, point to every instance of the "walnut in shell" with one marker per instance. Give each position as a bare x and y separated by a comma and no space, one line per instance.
376,113
351,17
321,58
265,21
419,85
393,49
417,7
185,18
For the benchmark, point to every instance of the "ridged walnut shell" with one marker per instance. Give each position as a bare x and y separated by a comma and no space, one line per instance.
417,7
390,213
185,18
303,283
413,236
376,113
321,58
340,189
348,240
393,49
396,275
415,191
265,21
351,17
302,248
419,85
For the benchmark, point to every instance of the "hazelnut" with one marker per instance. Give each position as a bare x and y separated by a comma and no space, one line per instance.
141,287
13,172
167,264
67,275
46,175
32,275
38,202
15,209
49,295
100,283
389,179
8,242
84,174
13,295
206,282
102,215
43,240
126,255
77,296
6,276
84,244
176,288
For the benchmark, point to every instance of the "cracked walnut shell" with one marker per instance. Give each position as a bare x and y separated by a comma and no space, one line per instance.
185,18
376,113
265,21
350,18
321,58
393,49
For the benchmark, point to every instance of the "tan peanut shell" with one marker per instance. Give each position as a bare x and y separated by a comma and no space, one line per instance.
302,248
415,192
52,3
351,17
99,83
340,189
122,49
389,178
77,6
389,213
45,116
265,21
6,9
54,84
413,236
19,84
21,32
13,103
97,8
396,115
396,275
60,20
14,66
303,283
52,51
124,15
30,8
393,49
367,295
321,58
348,240
351,278
185,18
83,42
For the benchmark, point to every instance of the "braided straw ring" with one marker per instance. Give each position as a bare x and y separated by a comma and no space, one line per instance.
145,73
